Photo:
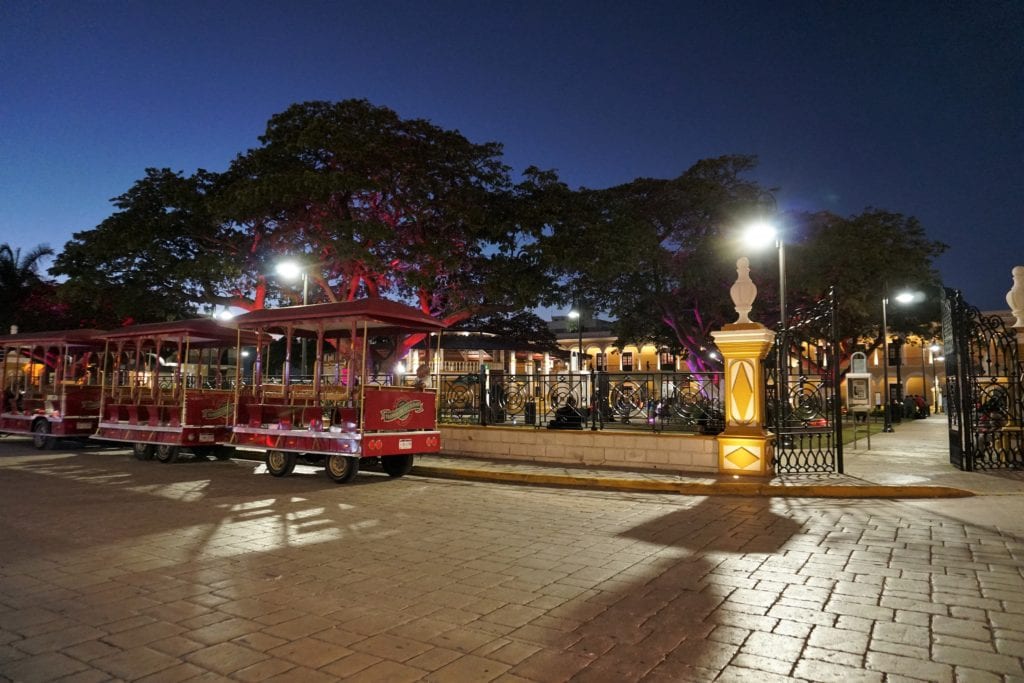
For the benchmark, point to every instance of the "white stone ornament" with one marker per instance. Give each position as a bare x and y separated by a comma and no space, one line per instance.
743,291
1015,297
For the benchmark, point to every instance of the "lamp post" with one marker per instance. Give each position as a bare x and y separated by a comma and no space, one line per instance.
290,270
578,317
935,348
903,298
758,235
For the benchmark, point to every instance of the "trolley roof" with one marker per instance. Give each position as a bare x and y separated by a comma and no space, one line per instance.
198,331
81,337
382,316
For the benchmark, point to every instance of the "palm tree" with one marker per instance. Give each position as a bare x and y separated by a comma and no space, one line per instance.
19,275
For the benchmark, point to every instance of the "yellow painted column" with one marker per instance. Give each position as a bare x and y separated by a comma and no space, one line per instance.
745,447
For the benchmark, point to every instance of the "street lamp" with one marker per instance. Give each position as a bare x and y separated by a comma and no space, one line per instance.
935,348
575,315
903,298
289,270
758,235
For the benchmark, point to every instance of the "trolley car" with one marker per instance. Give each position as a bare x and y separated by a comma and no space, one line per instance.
170,386
347,409
50,385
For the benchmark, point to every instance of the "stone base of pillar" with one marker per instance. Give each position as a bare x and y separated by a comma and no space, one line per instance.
746,455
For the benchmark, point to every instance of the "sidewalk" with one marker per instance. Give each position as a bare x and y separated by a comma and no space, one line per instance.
912,462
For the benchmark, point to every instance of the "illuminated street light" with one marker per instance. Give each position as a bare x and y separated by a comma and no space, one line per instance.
903,298
290,270
759,235
578,317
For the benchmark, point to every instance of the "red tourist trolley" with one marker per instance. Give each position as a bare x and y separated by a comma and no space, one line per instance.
169,386
50,385
347,410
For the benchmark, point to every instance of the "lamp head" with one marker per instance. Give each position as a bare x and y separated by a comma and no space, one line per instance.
905,297
289,270
760,234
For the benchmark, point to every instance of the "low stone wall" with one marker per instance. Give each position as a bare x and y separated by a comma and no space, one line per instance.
606,448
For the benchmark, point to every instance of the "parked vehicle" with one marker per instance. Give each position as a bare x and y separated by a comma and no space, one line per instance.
349,410
170,386
51,387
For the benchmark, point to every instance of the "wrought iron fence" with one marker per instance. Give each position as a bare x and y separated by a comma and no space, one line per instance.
658,401
984,388
801,389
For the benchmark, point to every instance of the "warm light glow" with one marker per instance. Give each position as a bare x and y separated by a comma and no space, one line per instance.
760,234
289,270
934,348
940,358
400,368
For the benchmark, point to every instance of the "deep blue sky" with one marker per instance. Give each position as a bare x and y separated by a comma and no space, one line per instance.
915,107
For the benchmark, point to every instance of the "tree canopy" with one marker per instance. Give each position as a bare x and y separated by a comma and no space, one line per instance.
371,204
367,202
660,256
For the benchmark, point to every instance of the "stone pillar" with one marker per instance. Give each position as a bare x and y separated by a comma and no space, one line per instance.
744,448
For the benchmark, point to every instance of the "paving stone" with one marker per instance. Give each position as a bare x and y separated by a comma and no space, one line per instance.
43,667
910,667
962,628
770,665
301,674
55,640
135,663
986,661
264,670
740,674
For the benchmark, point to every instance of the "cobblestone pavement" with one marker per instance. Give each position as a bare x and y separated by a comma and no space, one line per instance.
115,569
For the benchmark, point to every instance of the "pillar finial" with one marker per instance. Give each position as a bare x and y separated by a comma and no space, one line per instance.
1015,297
743,291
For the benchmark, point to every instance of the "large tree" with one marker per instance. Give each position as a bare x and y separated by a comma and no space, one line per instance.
660,257
368,202
654,253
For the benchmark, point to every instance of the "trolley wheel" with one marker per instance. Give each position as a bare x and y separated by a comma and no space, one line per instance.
279,463
397,465
341,468
167,454
41,438
143,451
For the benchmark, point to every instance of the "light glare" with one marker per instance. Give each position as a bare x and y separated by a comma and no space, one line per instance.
289,270
759,234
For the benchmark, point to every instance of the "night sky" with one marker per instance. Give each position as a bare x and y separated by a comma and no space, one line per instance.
914,107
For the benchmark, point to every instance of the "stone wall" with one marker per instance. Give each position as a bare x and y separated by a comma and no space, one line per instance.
635,450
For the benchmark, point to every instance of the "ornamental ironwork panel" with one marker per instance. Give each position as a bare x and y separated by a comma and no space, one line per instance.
802,391
984,388
653,401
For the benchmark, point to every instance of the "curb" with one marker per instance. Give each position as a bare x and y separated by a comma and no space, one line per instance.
739,488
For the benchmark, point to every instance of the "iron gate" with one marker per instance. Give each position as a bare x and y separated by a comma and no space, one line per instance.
984,388
805,414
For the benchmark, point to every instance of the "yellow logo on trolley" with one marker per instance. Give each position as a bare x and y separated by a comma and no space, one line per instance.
401,411
217,413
